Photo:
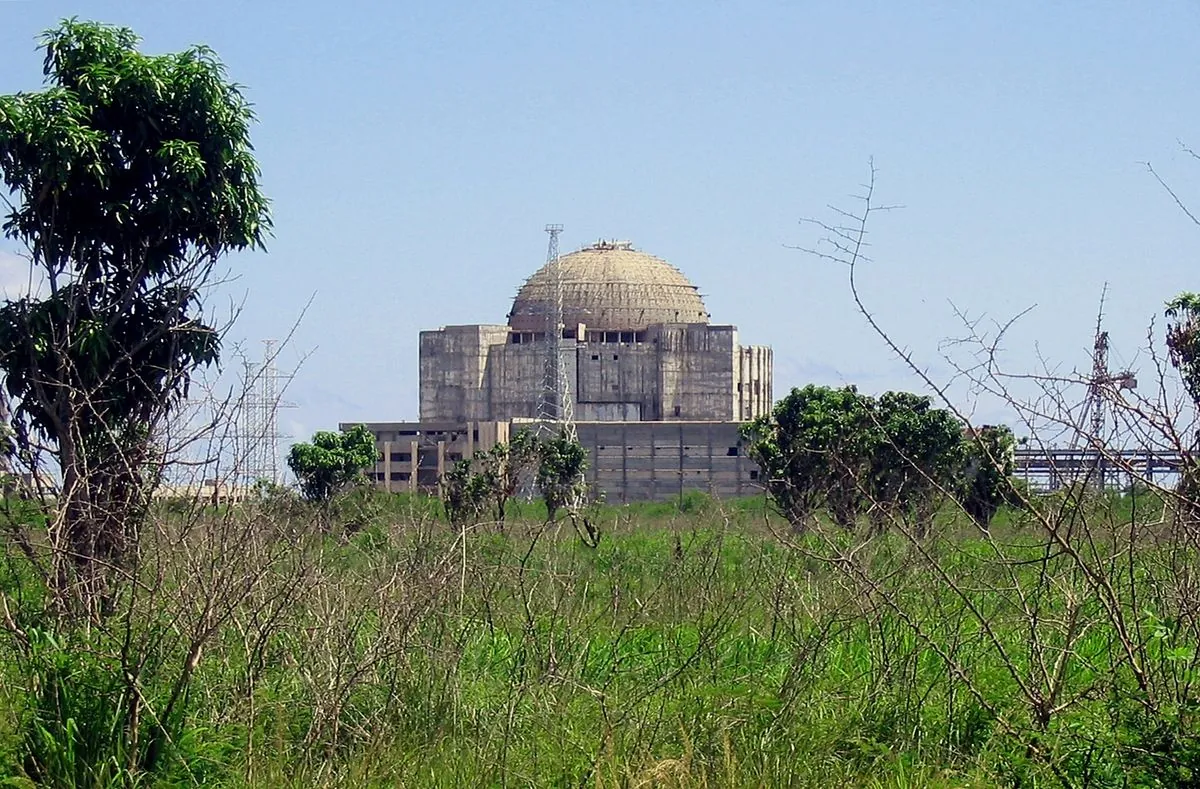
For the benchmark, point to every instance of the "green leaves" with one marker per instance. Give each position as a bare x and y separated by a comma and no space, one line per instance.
849,454
1183,340
560,473
332,461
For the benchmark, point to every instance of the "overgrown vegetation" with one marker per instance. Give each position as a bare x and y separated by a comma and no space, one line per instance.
473,641
849,455
132,175
332,462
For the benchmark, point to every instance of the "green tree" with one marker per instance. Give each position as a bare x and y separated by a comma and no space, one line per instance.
465,494
561,465
916,454
986,481
813,449
332,462
1183,340
506,465
132,175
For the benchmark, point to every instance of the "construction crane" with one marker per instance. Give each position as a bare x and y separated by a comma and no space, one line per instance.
1102,386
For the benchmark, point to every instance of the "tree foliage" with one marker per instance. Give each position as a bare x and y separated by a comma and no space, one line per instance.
132,175
561,465
332,461
1183,340
851,455
490,479
987,479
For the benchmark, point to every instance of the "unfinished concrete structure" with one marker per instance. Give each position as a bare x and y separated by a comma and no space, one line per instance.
644,351
627,461
658,392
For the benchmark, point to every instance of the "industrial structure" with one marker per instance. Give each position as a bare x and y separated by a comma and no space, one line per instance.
641,349
606,342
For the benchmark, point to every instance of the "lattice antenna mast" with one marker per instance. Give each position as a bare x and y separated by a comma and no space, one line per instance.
554,407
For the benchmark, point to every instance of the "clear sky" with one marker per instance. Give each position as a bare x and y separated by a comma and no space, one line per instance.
414,152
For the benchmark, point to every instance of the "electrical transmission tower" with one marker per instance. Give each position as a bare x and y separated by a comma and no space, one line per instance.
260,436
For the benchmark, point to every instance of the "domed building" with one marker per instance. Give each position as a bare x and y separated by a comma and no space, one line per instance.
658,391
644,349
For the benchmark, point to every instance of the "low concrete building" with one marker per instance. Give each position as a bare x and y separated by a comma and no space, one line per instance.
414,455
627,461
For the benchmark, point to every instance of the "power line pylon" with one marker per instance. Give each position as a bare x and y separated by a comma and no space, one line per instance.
260,417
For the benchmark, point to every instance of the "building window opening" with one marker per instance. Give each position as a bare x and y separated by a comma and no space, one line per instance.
454,457
400,476
401,457
639,336
753,473
626,336
677,410
595,357
569,334
731,452
614,357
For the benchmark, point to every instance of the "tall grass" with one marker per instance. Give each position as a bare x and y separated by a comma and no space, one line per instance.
692,648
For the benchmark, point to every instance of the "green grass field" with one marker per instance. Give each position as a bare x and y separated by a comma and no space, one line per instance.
697,646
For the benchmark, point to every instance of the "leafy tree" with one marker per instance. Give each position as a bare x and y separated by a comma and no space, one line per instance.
561,465
506,465
1183,344
332,461
917,452
465,494
812,449
853,455
987,477
1183,340
132,174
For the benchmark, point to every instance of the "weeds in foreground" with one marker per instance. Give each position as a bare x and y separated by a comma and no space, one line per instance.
689,649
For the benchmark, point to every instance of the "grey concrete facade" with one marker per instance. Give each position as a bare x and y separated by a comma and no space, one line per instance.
643,349
658,390
664,372
627,460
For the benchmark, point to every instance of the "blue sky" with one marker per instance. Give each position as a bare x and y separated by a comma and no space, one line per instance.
414,151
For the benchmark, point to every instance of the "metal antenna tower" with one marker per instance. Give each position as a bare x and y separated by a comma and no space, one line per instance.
555,417
554,406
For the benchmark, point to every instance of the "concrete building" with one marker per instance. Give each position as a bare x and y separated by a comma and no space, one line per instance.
645,350
627,461
658,390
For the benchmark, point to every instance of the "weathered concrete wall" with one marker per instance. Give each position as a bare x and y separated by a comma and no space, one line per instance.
415,455
453,371
671,372
627,461
754,396
638,461
696,370
617,377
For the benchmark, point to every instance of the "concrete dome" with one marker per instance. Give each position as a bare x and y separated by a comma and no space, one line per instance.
610,286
